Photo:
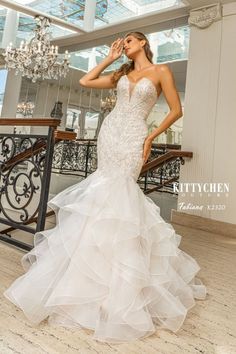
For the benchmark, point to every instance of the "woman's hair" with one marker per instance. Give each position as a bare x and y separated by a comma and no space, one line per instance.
127,67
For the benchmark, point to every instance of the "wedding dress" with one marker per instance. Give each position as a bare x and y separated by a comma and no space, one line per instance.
111,263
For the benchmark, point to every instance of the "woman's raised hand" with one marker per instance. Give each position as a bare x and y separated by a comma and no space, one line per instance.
116,49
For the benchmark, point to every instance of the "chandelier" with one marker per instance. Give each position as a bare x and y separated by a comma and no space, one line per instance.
37,59
25,108
109,102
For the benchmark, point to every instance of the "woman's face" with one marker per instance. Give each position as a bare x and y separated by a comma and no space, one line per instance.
132,46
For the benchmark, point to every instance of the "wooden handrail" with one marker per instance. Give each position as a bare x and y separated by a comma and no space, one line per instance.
30,221
40,122
64,135
167,146
168,156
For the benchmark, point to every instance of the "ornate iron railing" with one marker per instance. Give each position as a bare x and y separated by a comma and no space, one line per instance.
25,171
75,157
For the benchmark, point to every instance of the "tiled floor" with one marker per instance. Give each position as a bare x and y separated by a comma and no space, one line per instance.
209,328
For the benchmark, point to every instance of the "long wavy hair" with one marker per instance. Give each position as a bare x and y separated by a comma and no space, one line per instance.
127,67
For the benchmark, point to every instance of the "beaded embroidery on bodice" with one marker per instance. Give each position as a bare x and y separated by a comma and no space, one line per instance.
132,85
124,129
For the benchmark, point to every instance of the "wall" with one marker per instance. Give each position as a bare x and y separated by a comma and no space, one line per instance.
209,123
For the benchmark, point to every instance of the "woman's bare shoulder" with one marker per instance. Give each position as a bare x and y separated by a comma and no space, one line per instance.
162,68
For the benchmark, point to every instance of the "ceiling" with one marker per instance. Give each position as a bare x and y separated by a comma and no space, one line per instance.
105,11
112,18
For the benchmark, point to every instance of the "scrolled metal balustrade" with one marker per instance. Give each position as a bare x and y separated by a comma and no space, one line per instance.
20,178
25,171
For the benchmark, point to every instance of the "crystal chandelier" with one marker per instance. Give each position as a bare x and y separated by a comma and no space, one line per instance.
37,59
109,102
25,108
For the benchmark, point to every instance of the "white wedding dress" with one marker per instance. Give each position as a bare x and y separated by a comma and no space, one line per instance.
111,263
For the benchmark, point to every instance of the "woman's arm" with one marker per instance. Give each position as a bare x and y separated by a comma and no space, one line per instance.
93,79
172,97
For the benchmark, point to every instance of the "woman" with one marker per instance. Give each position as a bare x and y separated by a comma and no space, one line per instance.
111,263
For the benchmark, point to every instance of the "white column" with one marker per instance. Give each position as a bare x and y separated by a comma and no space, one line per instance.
153,38
92,59
82,123
89,15
11,95
209,127
10,28
13,82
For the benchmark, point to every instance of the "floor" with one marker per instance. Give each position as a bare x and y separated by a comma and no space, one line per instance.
209,328
166,202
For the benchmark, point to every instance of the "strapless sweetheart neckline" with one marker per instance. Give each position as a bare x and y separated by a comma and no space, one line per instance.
137,82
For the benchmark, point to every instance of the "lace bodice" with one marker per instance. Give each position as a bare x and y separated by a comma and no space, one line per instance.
140,96
123,131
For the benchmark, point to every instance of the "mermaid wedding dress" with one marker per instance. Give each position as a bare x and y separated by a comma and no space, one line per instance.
111,263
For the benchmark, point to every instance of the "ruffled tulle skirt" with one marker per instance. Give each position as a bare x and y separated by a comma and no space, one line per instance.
111,264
